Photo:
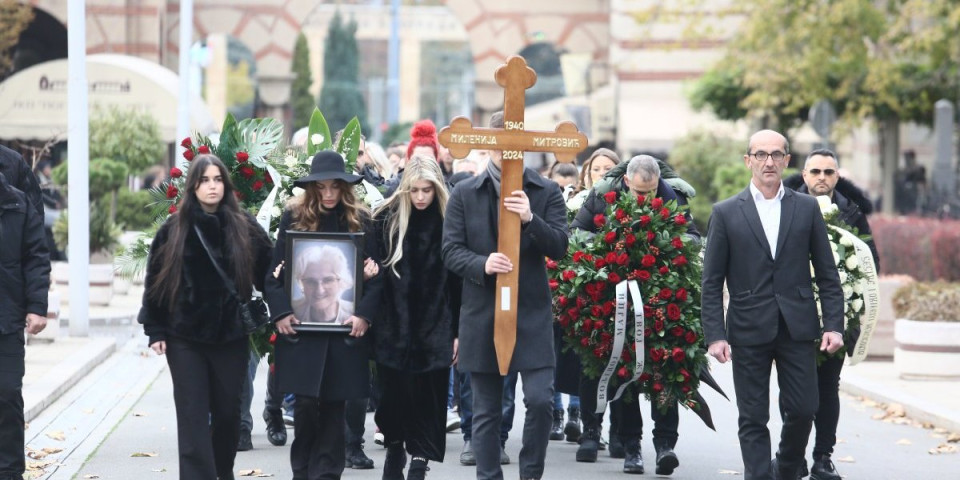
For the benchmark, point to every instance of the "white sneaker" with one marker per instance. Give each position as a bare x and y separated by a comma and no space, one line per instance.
378,437
453,421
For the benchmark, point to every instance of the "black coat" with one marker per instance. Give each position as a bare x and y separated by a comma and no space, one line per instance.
470,236
595,204
24,260
853,204
330,366
420,309
205,311
21,177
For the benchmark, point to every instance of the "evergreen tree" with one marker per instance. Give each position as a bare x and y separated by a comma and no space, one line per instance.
300,98
340,97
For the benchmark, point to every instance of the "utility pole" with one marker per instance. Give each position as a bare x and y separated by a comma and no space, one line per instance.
78,169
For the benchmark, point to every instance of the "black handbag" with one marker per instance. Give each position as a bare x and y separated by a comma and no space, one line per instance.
253,312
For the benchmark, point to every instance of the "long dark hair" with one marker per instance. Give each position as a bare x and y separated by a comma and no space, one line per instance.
307,209
237,246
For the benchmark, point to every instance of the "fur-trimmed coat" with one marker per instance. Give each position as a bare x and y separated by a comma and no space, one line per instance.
420,308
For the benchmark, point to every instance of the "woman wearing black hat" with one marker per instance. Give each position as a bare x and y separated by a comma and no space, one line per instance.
323,370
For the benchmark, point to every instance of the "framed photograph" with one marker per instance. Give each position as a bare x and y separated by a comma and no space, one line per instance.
324,278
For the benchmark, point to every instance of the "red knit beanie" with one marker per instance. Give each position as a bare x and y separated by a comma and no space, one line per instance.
423,134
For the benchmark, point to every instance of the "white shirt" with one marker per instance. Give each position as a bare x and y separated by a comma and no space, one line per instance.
769,211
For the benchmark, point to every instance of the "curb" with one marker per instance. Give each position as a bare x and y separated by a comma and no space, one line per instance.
65,375
101,320
915,408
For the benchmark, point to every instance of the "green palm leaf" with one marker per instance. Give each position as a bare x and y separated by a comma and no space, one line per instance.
258,137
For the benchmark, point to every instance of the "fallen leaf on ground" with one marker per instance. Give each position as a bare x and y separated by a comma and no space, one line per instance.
847,459
953,437
249,473
91,475
159,470
729,472
904,441
143,454
944,448
52,450
56,435
896,410
139,414
940,430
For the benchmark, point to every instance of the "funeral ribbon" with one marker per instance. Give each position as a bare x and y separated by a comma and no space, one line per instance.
871,294
265,214
620,333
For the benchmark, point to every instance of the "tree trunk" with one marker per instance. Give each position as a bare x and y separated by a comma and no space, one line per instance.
888,134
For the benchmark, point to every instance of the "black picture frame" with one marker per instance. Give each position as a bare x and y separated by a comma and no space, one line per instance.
323,251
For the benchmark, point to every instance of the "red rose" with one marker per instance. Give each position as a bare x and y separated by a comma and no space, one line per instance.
677,242
188,154
608,307
664,213
680,260
656,203
678,355
599,220
176,172
644,220
656,354
673,313
651,237
562,301
664,270
577,256
691,338
257,186
658,325
643,275
203,149
685,374
554,284
610,258
552,264
587,325
644,377
613,278
630,239
569,275
573,313
676,331
186,143
657,387
666,293
584,341
606,338
622,259
647,311
685,389
242,157
273,339
172,191
581,302
680,219
641,199
648,260
598,352
610,237
620,214
246,172
596,310
610,197
267,178
623,373
591,289
598,324
647,332
172,209
564,321
682,294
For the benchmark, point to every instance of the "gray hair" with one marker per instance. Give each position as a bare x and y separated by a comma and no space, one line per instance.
330,255
646,166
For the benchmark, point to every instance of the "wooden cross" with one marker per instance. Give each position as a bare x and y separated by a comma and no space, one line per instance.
460,137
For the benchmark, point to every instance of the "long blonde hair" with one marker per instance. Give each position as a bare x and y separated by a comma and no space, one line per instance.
399,206
307,209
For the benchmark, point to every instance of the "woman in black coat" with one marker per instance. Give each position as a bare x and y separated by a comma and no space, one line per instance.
193,318
323,370
415,340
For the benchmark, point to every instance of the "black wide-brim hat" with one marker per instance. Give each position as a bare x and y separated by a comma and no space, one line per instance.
327,165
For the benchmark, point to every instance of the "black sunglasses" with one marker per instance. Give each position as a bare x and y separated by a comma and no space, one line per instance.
816,171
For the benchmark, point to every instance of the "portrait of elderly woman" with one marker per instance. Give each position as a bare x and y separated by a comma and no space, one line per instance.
323,281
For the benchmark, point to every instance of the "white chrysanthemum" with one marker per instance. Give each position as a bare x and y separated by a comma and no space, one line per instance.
813,273
858,288
836,258
275,211
290,161
852,263
834,247
843,277
316,139
845,241
847,291
297,191
856,305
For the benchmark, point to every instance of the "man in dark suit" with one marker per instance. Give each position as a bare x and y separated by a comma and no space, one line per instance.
470,251
762,242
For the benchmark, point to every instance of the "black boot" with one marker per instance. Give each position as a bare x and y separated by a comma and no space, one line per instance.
667,460
615,448
395,461
633,461
276,430
572,428
244,443
823,469
556,431
589,444
418,469
356,459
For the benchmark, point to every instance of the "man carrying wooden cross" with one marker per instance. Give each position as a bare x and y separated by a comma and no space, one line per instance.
470,250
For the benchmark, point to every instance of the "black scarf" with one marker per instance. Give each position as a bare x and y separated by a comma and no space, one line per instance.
494,171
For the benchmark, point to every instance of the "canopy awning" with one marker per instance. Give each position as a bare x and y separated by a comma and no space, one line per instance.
33,102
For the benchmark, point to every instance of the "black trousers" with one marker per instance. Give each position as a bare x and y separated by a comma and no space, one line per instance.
413,410
318,448
207,380
355,418
797,378
828,414
12,353
626,419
